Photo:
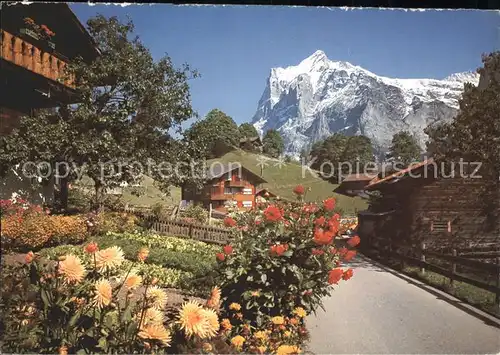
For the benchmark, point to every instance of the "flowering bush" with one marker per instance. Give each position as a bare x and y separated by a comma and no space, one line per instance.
105,222
92,304
286,258
27,226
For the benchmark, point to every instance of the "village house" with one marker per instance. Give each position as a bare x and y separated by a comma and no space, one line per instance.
229,185
264,195
251,144
38,41
354,184
423,202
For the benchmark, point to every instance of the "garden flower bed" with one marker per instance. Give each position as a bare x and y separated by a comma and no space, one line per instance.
120,292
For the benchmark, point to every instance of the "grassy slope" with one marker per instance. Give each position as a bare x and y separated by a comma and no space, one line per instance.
281,181
150,196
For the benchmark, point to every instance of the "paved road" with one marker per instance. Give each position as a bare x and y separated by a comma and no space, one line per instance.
377,312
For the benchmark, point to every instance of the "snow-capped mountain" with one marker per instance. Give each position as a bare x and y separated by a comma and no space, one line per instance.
318,97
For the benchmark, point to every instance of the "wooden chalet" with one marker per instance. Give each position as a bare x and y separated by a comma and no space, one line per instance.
229,185
252,144
263,195
38,42
422,203
354,184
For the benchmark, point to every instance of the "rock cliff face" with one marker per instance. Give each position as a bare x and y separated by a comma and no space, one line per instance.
318,97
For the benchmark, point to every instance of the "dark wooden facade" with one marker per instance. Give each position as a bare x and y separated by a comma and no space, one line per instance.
32,64
427,206
229,186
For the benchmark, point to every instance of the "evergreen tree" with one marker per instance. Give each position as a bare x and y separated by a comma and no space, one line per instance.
248,130
273,143
404,148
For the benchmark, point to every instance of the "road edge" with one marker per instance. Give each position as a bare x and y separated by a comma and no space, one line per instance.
458,303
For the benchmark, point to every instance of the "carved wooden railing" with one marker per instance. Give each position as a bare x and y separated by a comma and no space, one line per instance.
22,53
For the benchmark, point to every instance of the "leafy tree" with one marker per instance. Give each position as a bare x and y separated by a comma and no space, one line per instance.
404,148
273,144
341,152
214,134
248,130
474,134
127,105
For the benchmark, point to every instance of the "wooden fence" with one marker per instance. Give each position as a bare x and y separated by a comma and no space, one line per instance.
427,259
171,226
205,233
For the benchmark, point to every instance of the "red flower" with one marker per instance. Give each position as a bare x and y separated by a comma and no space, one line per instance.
310,208
347,274
228,249
278,249
229,222
317,251
220,256
299,190
354,241
329,204
334,223
273,214
343,251
257,222
334,276
323,238
91,248
320,221
349,255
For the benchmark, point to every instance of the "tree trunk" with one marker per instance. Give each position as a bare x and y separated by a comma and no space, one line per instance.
99,195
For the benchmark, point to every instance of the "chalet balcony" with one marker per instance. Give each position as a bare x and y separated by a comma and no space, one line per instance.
236,184
24,54
221,197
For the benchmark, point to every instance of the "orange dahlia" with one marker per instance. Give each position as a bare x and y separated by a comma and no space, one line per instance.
103,293
72,268
109,258
193,321
156,332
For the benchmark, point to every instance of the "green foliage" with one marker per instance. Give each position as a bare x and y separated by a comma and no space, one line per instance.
197,213
282,260
273,144
127,103
344,154
247,130
214,135
474,134
404,148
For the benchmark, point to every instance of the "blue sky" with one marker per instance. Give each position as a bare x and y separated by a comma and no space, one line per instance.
234,47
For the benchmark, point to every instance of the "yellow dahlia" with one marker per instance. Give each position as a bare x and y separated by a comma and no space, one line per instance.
235,306
261,335
108,259
72,268
193,320
103,293
213,321
152,316
238,341
278,320
214,300
300,312
262,349
156,332
157,296
287,350
133,280
226,324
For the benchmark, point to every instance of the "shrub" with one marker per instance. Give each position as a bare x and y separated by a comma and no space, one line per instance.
116,222
197,213
284,259
34,229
